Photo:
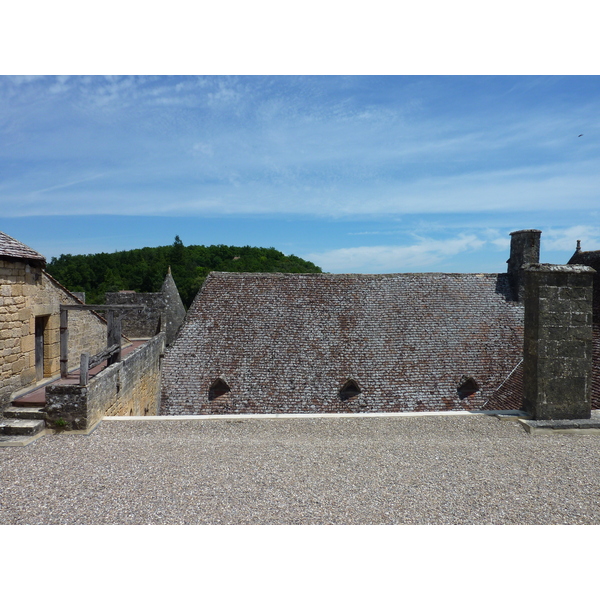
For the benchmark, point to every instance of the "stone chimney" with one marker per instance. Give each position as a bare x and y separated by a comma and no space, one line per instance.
557,351
524,249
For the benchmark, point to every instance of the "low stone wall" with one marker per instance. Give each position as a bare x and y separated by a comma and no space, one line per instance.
128,388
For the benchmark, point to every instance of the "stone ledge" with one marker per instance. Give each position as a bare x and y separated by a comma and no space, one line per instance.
20,440
574,426
552,268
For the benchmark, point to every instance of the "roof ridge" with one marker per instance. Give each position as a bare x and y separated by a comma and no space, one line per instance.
13,248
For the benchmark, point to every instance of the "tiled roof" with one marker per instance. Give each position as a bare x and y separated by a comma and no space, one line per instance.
590,259
289,342
509,396
11,248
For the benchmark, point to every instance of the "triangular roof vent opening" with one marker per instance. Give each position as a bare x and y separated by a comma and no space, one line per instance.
349,390
467,387
218,388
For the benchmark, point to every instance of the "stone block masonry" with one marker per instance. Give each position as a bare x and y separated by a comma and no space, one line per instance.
557,351
28,294
140,323
524,250
163,311
127,388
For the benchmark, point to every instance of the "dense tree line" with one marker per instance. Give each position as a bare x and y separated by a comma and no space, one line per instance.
144,270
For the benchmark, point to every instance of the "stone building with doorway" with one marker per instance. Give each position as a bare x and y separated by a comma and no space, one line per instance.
30,302
312,343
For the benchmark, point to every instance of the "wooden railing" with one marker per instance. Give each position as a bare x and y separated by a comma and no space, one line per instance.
89,362
114,315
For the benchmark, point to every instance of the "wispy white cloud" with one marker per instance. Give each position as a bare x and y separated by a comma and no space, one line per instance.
566,238
325,147
389,259
67,184
388,232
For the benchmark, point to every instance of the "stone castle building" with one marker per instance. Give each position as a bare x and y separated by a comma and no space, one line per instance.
29,314
277,343
313,343
48,333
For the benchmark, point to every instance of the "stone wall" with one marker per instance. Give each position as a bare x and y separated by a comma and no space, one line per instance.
128,388
17,342
557,352
27,292
141,323
87,330
163,311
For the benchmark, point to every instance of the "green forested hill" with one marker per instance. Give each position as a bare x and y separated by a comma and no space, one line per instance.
144,270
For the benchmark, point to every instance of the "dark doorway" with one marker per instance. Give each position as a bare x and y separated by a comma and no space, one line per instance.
40,325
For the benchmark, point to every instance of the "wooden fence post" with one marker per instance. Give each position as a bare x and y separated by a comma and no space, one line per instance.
64,343
113,334
84,367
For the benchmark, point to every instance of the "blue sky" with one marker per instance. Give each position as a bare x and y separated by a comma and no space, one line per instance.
366,174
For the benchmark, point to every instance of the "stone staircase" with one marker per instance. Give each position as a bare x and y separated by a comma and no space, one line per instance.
21,425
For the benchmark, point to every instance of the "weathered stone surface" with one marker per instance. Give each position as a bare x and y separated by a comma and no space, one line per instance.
163,310
20,426
27,293
557,363
129,387
590,259
139,323
524,249
175,310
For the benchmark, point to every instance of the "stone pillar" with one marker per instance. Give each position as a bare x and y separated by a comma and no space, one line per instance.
557,352
524,249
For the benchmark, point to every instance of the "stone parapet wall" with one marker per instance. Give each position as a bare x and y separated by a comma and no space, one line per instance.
128,388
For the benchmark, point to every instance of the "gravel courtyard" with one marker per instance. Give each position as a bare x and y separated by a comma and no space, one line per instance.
392,470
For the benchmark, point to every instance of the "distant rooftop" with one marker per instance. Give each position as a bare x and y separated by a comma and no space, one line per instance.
11,248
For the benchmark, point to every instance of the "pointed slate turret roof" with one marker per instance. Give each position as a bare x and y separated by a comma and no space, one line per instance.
174,308
11,248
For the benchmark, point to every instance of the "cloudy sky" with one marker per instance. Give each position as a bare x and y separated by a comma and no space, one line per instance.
366,174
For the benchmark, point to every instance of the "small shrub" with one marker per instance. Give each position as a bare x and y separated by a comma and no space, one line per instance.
60,423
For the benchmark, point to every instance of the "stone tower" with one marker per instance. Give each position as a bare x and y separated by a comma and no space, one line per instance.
524,249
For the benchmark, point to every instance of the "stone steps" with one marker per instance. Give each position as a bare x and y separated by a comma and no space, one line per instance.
28,412
21,426
12,427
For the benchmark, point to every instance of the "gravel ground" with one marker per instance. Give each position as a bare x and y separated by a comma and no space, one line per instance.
394,470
